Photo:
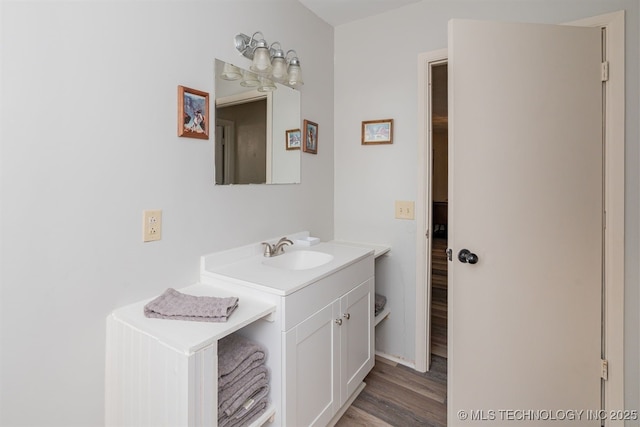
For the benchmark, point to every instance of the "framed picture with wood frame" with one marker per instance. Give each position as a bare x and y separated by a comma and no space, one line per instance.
293,139
193,113
310,137
377,132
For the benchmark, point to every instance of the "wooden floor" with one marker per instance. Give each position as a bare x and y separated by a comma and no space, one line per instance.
398,396
439,297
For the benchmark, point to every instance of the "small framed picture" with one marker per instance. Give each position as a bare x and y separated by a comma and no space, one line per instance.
310,137
193,113
377,132
293,139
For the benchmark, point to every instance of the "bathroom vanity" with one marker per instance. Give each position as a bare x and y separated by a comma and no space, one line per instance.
311,308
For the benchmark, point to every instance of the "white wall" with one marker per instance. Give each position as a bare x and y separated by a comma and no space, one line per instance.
376,78
88,140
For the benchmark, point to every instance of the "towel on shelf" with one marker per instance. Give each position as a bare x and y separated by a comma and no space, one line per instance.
250,412
380,302
237,356
254,384
176,305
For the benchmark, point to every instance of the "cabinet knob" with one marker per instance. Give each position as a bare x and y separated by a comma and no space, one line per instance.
347,316
339,322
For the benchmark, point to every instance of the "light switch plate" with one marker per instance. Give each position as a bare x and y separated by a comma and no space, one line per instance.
405,209
151,225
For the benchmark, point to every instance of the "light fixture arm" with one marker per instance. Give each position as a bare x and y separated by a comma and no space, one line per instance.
294,58
276,52
247,45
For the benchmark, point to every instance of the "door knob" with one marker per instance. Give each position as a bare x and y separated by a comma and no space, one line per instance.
466,256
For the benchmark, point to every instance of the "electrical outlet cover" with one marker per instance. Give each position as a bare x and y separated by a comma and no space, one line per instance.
151,225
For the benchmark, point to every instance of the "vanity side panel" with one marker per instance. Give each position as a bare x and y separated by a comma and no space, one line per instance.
312,298
203,389
146,382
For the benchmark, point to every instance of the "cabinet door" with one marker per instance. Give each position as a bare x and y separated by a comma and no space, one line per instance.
312,369
357,339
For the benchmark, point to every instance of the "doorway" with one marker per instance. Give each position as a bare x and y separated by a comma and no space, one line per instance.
241,145
439,206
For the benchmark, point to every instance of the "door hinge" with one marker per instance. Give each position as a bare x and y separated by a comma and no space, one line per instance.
605,369
605,71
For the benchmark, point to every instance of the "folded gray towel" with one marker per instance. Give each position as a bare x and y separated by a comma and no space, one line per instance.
236,356
380,302
175,305
231,398
253,410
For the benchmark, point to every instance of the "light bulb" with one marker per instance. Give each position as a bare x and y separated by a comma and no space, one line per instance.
295,75
266,85
261,60
279,71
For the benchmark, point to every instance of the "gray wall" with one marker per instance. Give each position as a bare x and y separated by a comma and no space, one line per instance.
89,107
376,77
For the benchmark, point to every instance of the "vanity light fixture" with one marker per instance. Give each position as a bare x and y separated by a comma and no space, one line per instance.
270,62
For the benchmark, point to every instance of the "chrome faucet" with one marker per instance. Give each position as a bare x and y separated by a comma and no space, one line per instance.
277,248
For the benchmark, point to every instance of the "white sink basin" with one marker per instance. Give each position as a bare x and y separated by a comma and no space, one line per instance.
299,260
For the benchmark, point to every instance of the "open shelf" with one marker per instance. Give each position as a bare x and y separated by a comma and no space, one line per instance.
266,417
382,315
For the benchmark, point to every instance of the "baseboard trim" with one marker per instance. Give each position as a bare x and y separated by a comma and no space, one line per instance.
396,359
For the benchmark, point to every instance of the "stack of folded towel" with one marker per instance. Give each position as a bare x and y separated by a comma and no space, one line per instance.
243,381
379,304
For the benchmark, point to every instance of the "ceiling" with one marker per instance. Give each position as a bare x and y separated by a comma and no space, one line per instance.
338,12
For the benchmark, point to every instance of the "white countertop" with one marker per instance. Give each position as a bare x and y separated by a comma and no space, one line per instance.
252,272
189,336
378,248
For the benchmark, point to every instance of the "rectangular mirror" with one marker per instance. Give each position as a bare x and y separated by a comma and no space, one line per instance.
254,118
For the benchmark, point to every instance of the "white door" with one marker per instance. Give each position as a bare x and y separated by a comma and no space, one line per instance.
526,198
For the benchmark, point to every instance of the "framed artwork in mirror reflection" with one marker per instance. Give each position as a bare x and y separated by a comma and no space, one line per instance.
310,130
293,139
193,113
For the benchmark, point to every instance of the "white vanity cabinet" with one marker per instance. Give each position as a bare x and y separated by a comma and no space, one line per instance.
327,356
323,327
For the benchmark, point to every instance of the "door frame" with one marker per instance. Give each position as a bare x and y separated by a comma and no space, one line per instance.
423,208
228,168
614,204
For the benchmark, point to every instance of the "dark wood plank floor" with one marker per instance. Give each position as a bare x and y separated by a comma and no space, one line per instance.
398,396
439,290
